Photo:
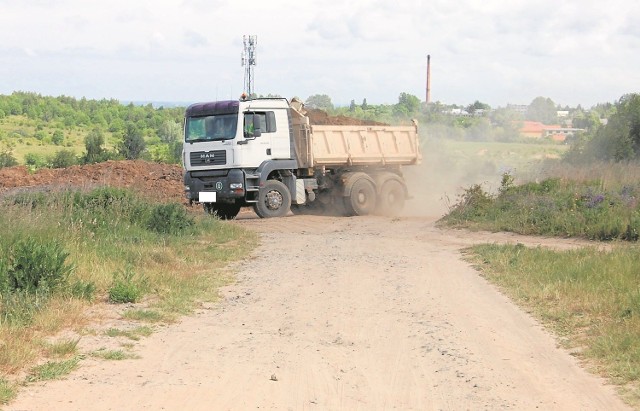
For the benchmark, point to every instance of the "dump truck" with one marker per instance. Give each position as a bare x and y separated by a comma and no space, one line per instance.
264,153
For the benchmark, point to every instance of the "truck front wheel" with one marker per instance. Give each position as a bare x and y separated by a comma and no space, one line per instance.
362,199
274,200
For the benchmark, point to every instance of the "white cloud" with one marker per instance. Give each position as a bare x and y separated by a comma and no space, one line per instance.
491,50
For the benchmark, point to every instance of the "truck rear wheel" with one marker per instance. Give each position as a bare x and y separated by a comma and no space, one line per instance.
391,199
274,200
362,199
222,210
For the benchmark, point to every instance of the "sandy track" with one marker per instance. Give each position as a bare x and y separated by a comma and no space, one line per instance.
345,314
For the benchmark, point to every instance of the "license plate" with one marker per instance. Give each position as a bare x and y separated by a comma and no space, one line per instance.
207,196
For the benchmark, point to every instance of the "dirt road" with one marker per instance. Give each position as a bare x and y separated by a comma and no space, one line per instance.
363,313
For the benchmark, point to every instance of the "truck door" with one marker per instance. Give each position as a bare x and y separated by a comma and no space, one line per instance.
274,133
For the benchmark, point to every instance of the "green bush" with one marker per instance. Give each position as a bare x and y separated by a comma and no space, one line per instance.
64,158
7,159
36,266
126,287
170,218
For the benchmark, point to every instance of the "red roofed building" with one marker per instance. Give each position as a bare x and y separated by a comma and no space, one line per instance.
535,129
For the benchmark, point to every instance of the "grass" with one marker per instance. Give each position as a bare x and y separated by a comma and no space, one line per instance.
53,370
134,334
147,316
106,235
590,298
113,355
20,132
554,206
7,391
62,348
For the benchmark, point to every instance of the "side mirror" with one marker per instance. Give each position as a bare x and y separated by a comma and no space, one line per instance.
252,126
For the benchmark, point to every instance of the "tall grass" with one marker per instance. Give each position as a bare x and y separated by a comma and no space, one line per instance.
554,206
589,297
98,236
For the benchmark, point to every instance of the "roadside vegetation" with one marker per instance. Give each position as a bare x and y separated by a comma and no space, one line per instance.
590,297
61,253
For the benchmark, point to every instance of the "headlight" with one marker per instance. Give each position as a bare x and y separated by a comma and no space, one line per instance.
235,186
187,188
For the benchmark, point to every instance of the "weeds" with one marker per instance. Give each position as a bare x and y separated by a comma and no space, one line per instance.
127,287
113,355
7,391
133,334
148,316
553,206
53,370
60,251
62,348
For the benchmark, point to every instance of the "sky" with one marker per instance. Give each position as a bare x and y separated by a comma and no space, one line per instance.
494,51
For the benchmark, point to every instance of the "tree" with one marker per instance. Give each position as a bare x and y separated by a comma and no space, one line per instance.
408,103
364,105
319,101
543,110
352,106
170,131
477,105
619,139
93,143
132,144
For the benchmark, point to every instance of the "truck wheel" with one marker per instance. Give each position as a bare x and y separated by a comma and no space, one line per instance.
222,211
391,199
274,200
362,199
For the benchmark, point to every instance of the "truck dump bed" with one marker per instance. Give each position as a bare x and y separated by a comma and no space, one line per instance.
335,146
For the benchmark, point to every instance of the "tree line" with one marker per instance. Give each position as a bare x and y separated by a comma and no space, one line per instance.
140,131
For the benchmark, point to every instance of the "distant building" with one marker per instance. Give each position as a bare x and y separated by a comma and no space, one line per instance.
518,108
459,112
537,130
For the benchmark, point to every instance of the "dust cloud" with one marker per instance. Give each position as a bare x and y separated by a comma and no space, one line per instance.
436,184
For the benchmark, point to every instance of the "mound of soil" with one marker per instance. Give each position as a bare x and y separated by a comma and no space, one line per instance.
319,117
157,181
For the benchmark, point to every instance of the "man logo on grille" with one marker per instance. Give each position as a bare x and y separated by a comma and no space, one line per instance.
206,157
218,185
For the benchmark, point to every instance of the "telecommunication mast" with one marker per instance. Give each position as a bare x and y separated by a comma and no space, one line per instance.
249,62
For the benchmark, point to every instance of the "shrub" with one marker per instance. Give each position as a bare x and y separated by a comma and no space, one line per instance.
36,266
58,137
170,218
63,159
126,288
7,159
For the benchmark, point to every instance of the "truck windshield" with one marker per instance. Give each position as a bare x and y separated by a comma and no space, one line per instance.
211,128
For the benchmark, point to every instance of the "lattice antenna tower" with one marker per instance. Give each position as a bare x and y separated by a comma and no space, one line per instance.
249,62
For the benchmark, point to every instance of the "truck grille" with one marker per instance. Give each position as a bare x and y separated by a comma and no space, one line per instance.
208,158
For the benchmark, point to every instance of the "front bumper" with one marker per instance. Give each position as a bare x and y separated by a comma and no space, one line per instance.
229,185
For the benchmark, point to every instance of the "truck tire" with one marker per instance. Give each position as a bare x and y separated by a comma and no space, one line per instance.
391,198
222,210
362,198
274,200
